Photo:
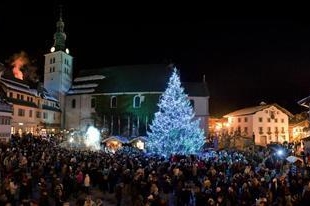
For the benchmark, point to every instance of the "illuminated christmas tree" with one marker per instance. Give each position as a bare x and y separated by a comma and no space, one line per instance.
174,130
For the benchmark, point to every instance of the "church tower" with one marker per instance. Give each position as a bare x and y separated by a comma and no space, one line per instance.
58,68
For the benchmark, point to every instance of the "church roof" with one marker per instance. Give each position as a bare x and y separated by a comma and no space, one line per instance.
130,79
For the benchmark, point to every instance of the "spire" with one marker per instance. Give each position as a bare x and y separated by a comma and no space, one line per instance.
59,35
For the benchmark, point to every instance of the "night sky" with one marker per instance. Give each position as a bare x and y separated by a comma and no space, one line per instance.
244,60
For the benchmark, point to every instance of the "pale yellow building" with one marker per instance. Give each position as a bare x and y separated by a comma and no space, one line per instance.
265,123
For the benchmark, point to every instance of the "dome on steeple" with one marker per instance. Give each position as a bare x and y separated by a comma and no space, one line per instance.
59,36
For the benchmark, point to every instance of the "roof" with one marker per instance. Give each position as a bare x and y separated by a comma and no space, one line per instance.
304,102
22,86
116,138
130,78
253,110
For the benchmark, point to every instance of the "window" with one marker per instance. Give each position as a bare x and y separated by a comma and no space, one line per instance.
282,120
45,115
282,130
272,114
54,60
11,94
275,120
54,116
276,130
51,61
38,114
192,102
93,103
18,96
137,102
268,119
30,113
21,112
113,102
269,130
239,119
245,119
22,97
245,130
73,102
260,129
260,119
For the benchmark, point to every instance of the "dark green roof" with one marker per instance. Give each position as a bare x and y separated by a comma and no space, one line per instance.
137,78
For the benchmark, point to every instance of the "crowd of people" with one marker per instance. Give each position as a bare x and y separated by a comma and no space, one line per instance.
39,172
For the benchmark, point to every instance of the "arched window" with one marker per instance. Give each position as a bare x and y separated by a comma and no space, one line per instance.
93,103
73,102
113,102
137,101
192,102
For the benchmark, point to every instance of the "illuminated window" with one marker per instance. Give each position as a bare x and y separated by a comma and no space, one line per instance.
73,102
113,102
136,102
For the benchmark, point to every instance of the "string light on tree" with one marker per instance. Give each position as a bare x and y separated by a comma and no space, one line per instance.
174,129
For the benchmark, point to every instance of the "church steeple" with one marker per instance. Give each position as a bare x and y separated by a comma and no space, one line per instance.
59,35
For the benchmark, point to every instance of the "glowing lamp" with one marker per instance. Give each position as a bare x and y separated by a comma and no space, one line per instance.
280,152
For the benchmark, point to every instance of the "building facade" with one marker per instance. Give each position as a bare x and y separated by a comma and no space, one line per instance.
121,99
6,110
118,100
265,123
33,109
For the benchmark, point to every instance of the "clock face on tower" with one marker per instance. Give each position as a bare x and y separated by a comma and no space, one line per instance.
52,49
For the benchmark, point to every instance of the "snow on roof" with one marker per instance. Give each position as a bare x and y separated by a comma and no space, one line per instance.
118,138
89,78
84,86
49,97
253,110
14,82
304,102
81,91
22,89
